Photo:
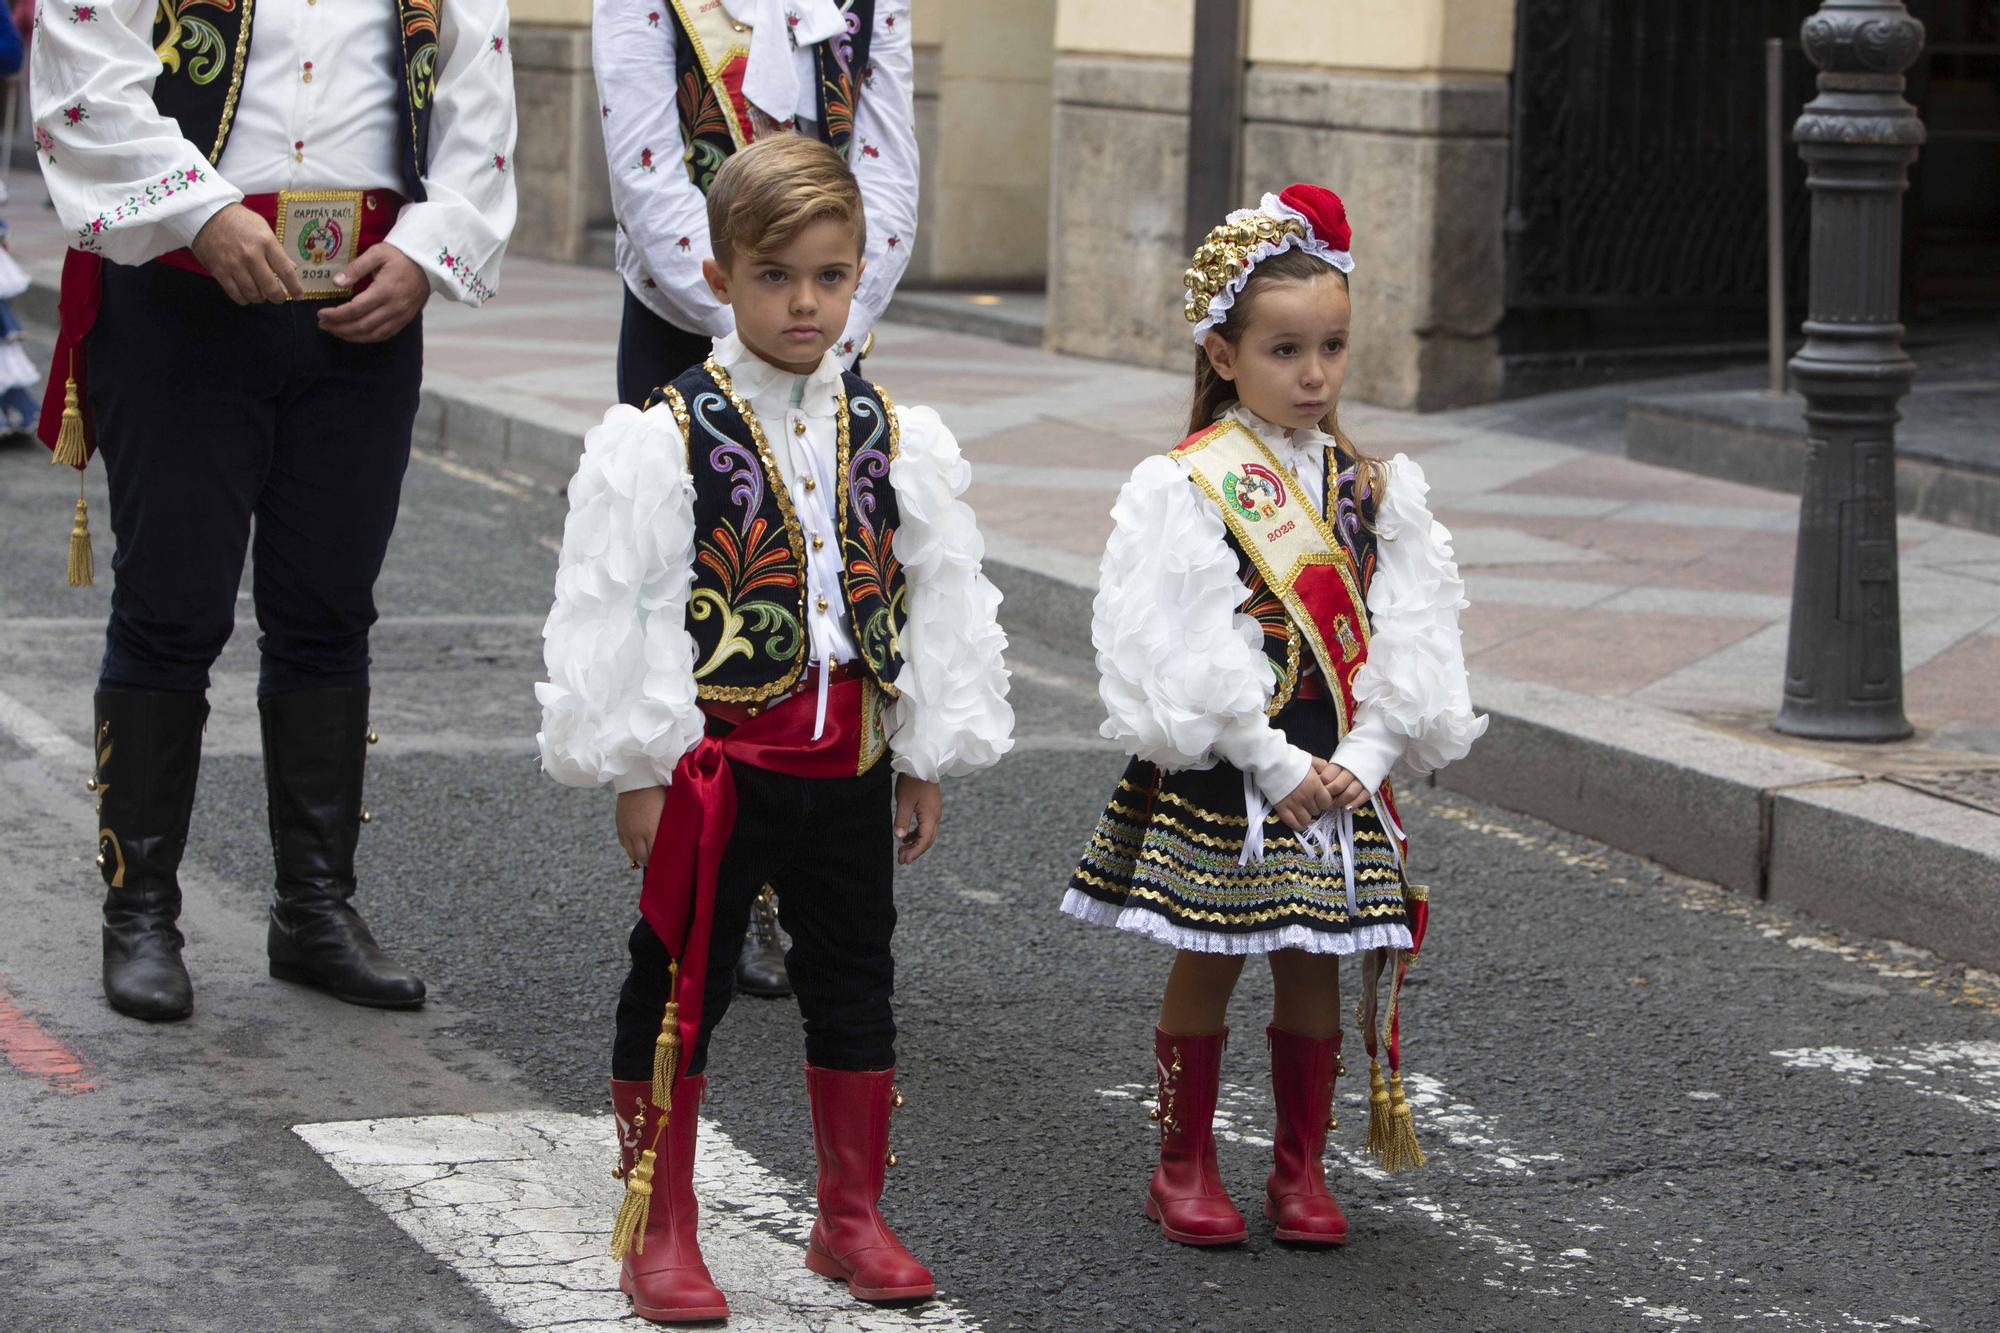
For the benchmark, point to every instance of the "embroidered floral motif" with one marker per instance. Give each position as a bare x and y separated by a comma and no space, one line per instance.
83,13
653,19
646,159
420,36
466,274
869,149
499,45
499,161
685,243
894,240
161,190
207,52
705,127
45,143
76,114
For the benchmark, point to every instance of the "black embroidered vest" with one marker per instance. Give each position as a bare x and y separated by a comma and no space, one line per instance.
747,608
204,47
1352,518
710,52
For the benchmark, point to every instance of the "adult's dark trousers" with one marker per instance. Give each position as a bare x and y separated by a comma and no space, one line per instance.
828,848
652,352
222,426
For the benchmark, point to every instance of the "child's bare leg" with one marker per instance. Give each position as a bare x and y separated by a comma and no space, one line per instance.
1308,992
1198,989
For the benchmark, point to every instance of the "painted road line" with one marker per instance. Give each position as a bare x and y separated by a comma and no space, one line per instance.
520,1204
1465,1144
39,734
31,1049
1965,1073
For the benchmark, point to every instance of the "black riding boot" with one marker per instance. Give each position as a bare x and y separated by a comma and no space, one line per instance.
760,968
315,742
148,747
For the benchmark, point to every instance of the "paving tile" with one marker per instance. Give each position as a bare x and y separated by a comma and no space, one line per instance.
1961,684
1611,654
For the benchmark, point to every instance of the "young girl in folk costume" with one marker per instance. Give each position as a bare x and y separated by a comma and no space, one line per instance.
769,613
1276,627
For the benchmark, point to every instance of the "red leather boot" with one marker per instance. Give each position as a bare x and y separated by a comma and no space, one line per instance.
850,1241
1303,1070
1186,1197
664,1274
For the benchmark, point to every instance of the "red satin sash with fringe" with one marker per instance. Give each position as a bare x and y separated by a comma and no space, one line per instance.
677,897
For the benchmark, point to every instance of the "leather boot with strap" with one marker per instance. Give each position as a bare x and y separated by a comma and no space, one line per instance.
664,1273
850,1241
760,968
1186,1197
148,751
1303,1071
315,745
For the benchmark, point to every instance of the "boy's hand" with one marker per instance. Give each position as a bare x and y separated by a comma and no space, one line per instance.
1308,801
638,820
1345,789
918,807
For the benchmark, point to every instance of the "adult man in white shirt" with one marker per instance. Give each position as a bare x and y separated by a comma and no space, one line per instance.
683,84
256,226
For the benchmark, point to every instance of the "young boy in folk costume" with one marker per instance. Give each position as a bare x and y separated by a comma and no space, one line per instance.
685,84
769,600
1276,627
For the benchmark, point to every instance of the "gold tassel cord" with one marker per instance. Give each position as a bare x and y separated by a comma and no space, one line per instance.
628,1233
1400,1150
1378,1113
71,450
667,1047
82,569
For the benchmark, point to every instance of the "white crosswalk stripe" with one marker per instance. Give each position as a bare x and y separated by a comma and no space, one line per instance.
520,1203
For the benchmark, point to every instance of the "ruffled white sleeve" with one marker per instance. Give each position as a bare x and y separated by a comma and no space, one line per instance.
1183,676
1412,700
953,717
619,705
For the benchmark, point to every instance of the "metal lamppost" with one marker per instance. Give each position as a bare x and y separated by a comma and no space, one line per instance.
1844,665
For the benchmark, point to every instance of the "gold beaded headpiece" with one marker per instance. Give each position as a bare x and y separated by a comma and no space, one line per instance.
1304,217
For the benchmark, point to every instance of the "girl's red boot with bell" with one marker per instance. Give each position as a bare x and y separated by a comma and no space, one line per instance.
1186,1197
663,1272
1303,1070
850,1241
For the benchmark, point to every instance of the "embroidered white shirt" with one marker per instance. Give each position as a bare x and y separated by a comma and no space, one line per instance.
318,110
663,218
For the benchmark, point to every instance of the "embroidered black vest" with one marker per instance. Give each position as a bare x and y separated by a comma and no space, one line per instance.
715,119
204,47
747,608
1352,518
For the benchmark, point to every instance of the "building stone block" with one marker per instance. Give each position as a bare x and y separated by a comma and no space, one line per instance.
564,188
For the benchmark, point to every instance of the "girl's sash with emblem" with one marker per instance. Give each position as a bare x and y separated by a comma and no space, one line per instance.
1301,561
1310,572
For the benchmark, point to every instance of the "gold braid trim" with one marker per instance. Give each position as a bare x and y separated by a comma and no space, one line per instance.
237,61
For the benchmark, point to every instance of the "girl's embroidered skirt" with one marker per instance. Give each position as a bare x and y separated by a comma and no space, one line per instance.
1166,860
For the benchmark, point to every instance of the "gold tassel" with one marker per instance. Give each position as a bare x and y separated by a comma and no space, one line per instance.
81,567
1378,1113
70,448
628,1233
667,1048
1399,1151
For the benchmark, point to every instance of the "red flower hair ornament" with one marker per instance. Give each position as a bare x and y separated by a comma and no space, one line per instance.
1299,217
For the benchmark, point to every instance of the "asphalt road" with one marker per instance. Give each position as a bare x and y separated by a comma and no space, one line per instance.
1648,1104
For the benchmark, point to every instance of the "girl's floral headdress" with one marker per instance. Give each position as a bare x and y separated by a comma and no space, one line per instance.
1304,217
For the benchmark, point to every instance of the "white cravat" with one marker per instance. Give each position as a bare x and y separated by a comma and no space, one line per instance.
771,75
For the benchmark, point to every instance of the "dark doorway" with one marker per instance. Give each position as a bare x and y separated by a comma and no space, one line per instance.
1635,218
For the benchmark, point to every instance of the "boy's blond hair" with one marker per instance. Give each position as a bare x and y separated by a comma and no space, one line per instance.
768,193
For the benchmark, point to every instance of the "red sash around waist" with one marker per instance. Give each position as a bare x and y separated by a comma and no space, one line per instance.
677,897
83,295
